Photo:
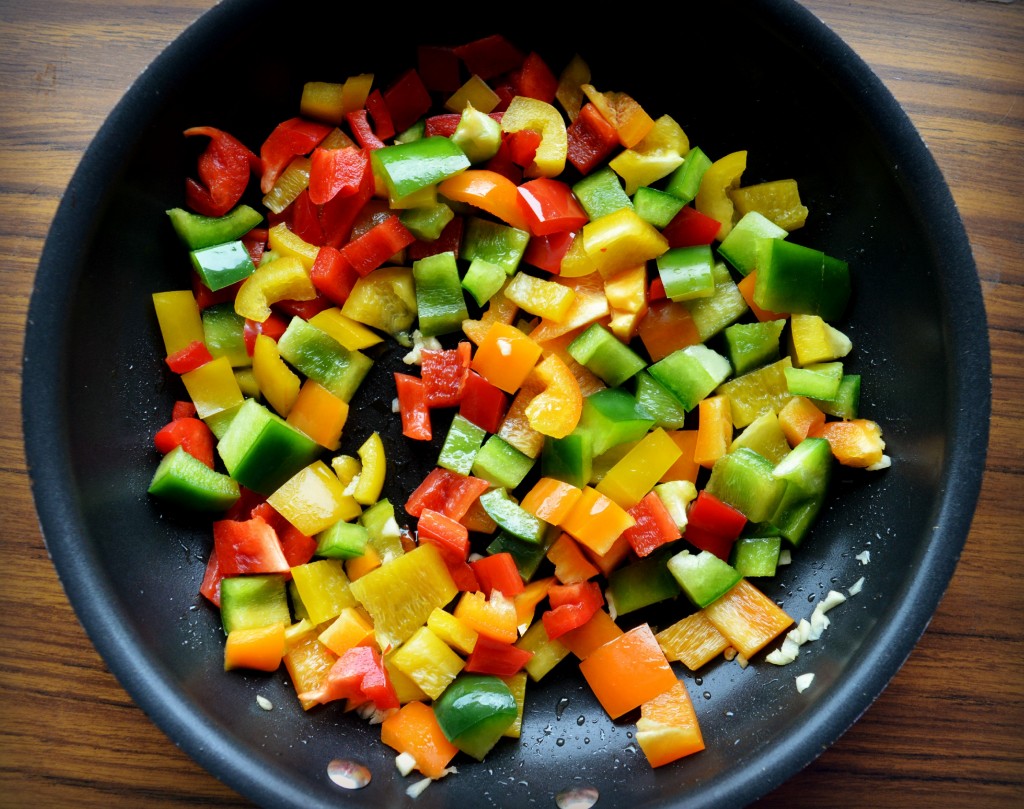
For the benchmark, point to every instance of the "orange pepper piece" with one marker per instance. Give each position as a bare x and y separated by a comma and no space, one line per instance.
571,564
597,521
493,617
505,357
747,618
857,442
798,418
685,467
746,288
551,500
667,729
260,648
319,414
714,430
414,730
488,191
594,634
556,410
628,671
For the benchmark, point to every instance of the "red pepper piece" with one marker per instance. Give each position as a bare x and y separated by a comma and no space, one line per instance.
358,676
498,572
377,245
210,588
444,374
359,123
447,492
412,406
490,56
224,168
189,358
383,125
246,504
304,218
206,297
657,291
295,545
333,275
503,164
522,146
444,123
336,171
255,242
590,139
550,207
408,98
304,309
182,410
439,68
449,241
249,546
497,658
339,214
713,525
547,252
296,136
482,403
191,434
654,525
273,327
535,79
572,605
450,537
690,228
505,92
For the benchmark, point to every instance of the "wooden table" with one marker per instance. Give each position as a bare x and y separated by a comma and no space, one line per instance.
949,730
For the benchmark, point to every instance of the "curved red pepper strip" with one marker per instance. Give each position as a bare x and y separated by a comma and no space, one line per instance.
224,168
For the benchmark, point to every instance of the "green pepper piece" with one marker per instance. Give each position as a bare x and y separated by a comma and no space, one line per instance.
323,359
483,279
426,222
512,517
198,231
642,583
439,298
261,450
474,711
527,555
414,132
611,418
499,244
744,480
477,134
601,193
224,334
222,265
383,533
797,279
751,345
739,247
756,556
343,540
409,167
501,464
846,402
687,272
656,207
806,471
185,480
820,380
723,307
461,445
655,401
703,576
569,459
604,354
684,181
253,601
692,373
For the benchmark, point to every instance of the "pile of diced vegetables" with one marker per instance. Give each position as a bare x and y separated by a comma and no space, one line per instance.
641,386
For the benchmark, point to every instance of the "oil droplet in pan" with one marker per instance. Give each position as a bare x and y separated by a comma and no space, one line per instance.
348,774
577,798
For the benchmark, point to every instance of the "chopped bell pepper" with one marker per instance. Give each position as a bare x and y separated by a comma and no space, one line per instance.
224,168
540,116
717,181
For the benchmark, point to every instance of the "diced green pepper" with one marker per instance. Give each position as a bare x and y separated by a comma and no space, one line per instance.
656,207
501,464
642,583
601,193
461,445
692,373
739,247
820,380
439,298
412,166
198,231
703,576
687,272
743,479
223,333
797,279
685,180
222,265
499,244
725,306
846,402
343,540
528,556
806,471
253,601
612,418
654,400
323,359
185,480
756,556
604,354
512,517
474,712
427,221
751,345
483,279
569,459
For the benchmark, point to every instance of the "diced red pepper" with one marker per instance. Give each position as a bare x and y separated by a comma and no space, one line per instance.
359,123
502,162
358,676
273,327
189,358
498,572
654,525
183,409
304,218
444,374
248,546
304,309
547,252
412,405
224,168
713,525
210,588
439,68
590,139
408,99
444,123
657,290
572,605
690,228
447,492
550,207
377,245
505,92
482,403
206,297
336,171
450,536
246,504
333,275
191,434
295,545
490,56
449,241
497,658
523,145
383,125
535,79
338,215
255,242
290,138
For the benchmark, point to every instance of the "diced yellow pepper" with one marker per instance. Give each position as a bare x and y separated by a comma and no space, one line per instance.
452,631
345,467
323,101
355,91
291,182
323,588
576,263
282,241
405,688
351,628
547,653
213,387
713,198
178,316
569,92
371,475
283,278
556,410
314,499
640,469
277,382
517,685
428,661
547,299
475,92
531,113
661,152
626,293
620,240
778,200
319,414
814,340
350,333
247,382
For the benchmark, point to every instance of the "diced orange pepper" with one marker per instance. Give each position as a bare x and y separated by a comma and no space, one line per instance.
556,410
685,467
630,120
692,640
260,648
551,500
571,564
714,430
319,414
526,602
609,560
667,729
594,634
499,310
307,661
488,191
746,288
351,628
628,671
493,617
747,618
666,327
798,418
414,729
505,357
857,442
477,519
361,565
596,520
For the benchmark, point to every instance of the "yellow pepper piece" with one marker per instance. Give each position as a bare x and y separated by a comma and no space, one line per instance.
620,240
285,243
640,469
630,120
576,263
555,411
276,381
547,299
405,688
371,476
314,499
517,685
213,387
350,333
814,340
323,588
283,278
626,293
659,154
292,182
589,304
324,101
354,92
531,113
713,198
475,92
547,653
319,414
452,631
428,661
569,92
778,200
345,467
180,322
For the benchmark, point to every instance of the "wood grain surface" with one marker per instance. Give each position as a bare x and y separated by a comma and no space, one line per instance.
949,730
